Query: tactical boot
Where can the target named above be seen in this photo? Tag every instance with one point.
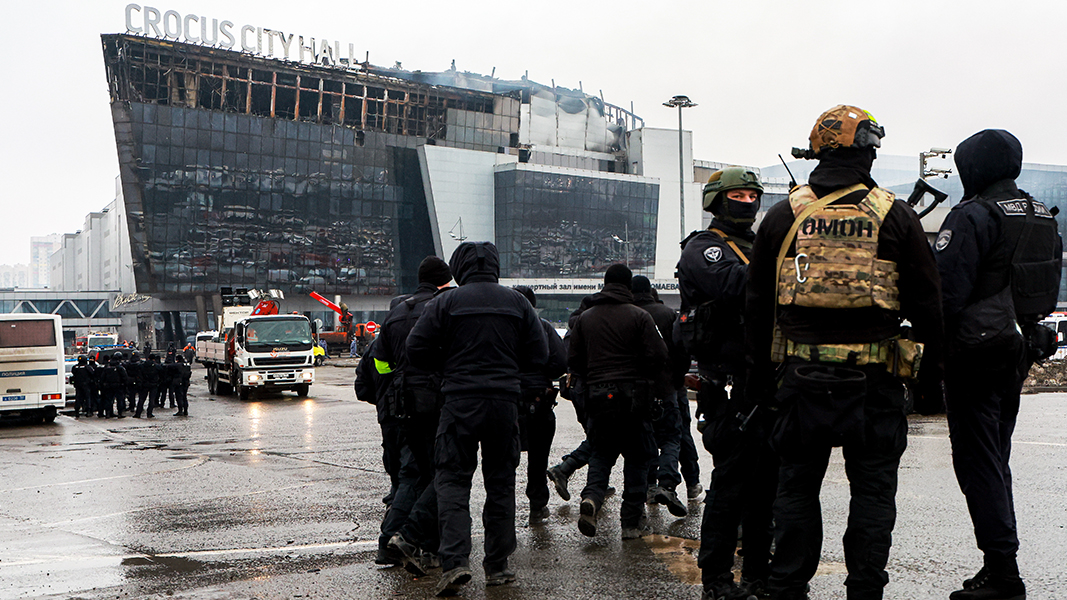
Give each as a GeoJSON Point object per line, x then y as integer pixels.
{"type": "Point", "coordinates": [559, 477]}
{"type": "Point", "coordinates": [410, 554]}
{"type": "Point", "coordinates": [501, 577]}
{"type": "Point", "coordinates": [753, 590]}
{"type": "Point", "coordinates": [539, 515]}
{"type": "Point", "coordinates": [670, 499]}
{"type": "Point", "coordinates": [452, 581]}
{"type": "Point", "coordinates": [722, 589]}
{"type": "Point", "coordinates": [388, 556]}
{"type": "Point", "coordinates": [632, 533]}
{"type": "Point", "coordinates": [991, 586]}
{"type": "Point", "coordinates": [587, 518]}
{"type": "Point", "coordinates": [694, 491]}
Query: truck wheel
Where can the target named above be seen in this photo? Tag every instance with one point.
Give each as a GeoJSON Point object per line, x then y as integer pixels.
{"type": "Point", "coordinates": [244, 392]}
{"type": "Point", "coordinates": [48, 414]}
{"type": "Point", "coordinates": [302, 390]}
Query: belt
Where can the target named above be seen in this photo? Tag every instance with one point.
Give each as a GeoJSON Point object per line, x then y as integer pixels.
{"type": "Point", "coordinates": [854, 354]}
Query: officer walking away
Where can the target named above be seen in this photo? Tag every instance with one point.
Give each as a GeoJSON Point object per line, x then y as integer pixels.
{"type": "Point", "coordinates": [409, 532]}
{"type": "Point", "coordinates": [663, 474]}
{"type": "Point", "coordinates": [166, 372]}
{"type": "Point", "coordinates": [537, 419]}
{"type": "Point", "coordinates": [113, 387]}
{"type": "Point", "coordinates": [371, 386]}
{"type": "Point", "coordinates": [712, 274]}
{"type": "Point", "coordinates": [97, 371]}
{"type": "Point", "coordinates": [834, 271]}
{"type": "Point", "coordinates": [173, 375]}
{"type": "Point", "coordinates": [999, 255]}
{"type": "Point", "coordinates": [81, 376]}
{"type": "Point", "coordinates": [617, 352]}
{"type": "Point", "coordinates": [181, 385]}
{"type": "Point", "coordinates": [480, 336]}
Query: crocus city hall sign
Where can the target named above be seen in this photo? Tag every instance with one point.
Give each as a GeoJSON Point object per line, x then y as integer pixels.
{"type": "Point", "coordinates": [195, 29]}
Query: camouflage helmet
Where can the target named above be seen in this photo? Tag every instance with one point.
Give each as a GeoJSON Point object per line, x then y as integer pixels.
{"type": "Point", "coordinates": [730, 178]}
{"type": "Point", "coordinates": [844, 126]}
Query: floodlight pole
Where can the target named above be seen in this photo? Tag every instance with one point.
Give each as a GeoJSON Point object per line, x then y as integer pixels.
{"type": "Point", "coordinates": [681, 102]}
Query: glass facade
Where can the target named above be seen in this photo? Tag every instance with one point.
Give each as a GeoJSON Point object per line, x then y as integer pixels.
{"type": "Point", "coordinates": [552, 223]}
{"type": "Point", "coordinates": [246, 172]}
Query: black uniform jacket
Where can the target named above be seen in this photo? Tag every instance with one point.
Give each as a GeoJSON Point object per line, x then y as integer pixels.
{"type": "Point", "coordinates": [710, 270]}
{"type": "Point", "coordinates": [392, 340]}
{"type": "Point", "coordinates": [540, 379]}
{"type": "Point", "coordinates": [613, 340]}
{"type": "Point", "coordinates": [665, 316]}
{"type": "Point", "coordinates": [901, 239]}
{"type": "Point", "coordinates": [481, 335]}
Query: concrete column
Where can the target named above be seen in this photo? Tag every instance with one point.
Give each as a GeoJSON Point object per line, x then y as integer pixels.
{"type": "Point", "coordinates": [201, 314]}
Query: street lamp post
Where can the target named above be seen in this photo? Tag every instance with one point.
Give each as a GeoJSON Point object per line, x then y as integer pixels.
{"type": "Point", "coordinates": [681, 102]}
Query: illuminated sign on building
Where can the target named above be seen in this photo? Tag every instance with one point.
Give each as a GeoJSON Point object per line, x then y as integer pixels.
{"type": "Point", "coordinates": [172, 25]}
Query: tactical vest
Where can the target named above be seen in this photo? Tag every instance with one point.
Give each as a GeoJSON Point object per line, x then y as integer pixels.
{"type": "Point", "coordinates": [1027, 258]}
{"type": "Point", "coordinates": [836, 264]}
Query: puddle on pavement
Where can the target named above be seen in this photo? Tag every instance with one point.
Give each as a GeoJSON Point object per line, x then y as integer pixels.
{"type": "Point", "coordinates": [174, 564]}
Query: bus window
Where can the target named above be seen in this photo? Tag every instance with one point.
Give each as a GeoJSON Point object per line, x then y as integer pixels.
{"type": "Point", "coordinates": [27, 334]}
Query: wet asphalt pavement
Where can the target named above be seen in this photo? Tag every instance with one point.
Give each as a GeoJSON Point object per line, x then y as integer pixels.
{"type": "Point", "coordinates": [281, 498]}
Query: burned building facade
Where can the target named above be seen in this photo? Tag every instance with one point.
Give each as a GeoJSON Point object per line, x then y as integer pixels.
{"type": "Point", "coordinates": [244, 171]}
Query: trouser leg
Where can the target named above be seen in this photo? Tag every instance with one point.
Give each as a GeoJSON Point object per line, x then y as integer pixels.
{"type": "Point", "coordinates": [391, 444]}
{"type": "Point", "coordinates": [667, 431]}
{"type": "Point", "coordinates": [406, 494]}
{"type": "Point", "coordinates": [637, 450]}
{"type": "Point", "coordinates": [456, 457]}
{"type": "Point", "coordinates": [798, 520]}
{"type": "Point", "coordinates": [688, 458]}
{"type": "Point", "coordinates": [604, 447]}
{"type": "Point", "coordinates": [872, 474]}
{"type": "Point", "coordinates": [540, 429]}
{"type": "Point", "coordinates": [500, 458]}
{"type": "Point", "coordinates": [723, 504]}
{"type": "Point", "coordinates": [421, 526]}
{"type": "Point", "coordinates": [982, 410]}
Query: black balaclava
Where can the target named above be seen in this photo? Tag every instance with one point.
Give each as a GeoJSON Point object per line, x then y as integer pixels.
{"type": "Point", "coordinates": [842, 167]}
{"type": "Point", "coordinates": [987, 157]}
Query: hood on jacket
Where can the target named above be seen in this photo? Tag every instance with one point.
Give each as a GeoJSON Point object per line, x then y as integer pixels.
{"type": "Point", "coordinates": [987, 157]}
{"type": "Point", "coordinates": [475, 261]}
{"type": "Point", "coordinates": [613, 293]}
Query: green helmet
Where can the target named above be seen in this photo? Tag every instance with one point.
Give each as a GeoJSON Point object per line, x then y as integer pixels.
{"type": "Point", "coordinates": [730, 178]}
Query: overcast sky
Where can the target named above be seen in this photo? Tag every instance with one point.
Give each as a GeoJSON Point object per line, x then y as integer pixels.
{"type": "Point", "coordinates": [761, 71]}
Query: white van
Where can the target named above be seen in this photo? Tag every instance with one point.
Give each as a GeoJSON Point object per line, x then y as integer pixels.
{"type": "Point", "coordinates": [1057, 322]}
{"type": "Point", "coordinates": [31, 365]}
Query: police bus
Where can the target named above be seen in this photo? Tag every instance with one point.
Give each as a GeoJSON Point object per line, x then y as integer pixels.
{"type": "Point", "coordinates": [31, 365]}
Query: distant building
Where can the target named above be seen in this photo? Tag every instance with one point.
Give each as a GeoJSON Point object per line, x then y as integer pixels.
{"type": "Point", "coordinates": [15, 276]}
{"type": "Point", "coordinates": [41, 249]}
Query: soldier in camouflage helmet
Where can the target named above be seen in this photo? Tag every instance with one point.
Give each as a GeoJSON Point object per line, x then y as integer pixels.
{"type": "Point", "coordinates": [834, 272]}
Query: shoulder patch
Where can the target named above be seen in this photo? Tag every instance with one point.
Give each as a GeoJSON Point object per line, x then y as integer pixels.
{"type": "Point", "coordinates": [943, 240]}
{"type": "Point", "coordinates": [713, 253]}
{"type": "Point", "coordinates": [1013, 208]}
{"type": "Point", "coordinates": [1040, 210]}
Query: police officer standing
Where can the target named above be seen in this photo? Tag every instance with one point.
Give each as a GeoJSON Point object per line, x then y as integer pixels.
{"type": "Point", "coordinates": [81, 376]}
{"type": "Point", "coordinates": [181, 385]}
{"type": "Point", "coordinates": [834, 271]}
{"type": "Point", "coordinates": [133, 380]}
{"type": "Point", "coordinates": [113, 387]}
{"type": "Point", "coordinates": [480, 336]}
{"type": "Point", "coordinates": [617, 352]}
{"type": "Point", "coordinates": [150, 376]}
{"type": "Point", "coordinates": [712, 273]}
{"type": "Point", "coordinates": [999, 254]}
{"type": "Point", "coordinates": [537, 419]}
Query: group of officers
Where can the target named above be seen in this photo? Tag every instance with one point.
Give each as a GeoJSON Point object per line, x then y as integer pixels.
{"type": "Point", "coordinates": [117, 385]}
{"type": "Point", "coordinates": [822, 329]}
